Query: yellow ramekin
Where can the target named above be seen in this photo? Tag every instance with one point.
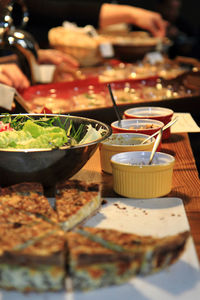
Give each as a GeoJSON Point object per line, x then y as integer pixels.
{"type": "Point", "coordinates": [108, 149]}
{"type": "Point", "coordinates": [134, 178]}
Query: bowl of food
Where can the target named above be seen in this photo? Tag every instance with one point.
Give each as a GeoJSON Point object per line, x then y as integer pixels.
{"type": "Point", "coordinates": [151, 112]}
{"type": "Point", "coordinates": [144, 126]}
{"type": "Point", "coordinates": [46, 148]}
{"type": "Point", "coordinates": [133, 177]}
{"type": "Point", "coordinates": [122, 142]}
{"type": "Point", "coordinates": [132, 46]}
{"type": "Point", "coordinates": [77, 43]}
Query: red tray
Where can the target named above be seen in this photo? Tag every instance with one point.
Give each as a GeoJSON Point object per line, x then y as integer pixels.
{"type": "Point", "coordinates": [65, 97]}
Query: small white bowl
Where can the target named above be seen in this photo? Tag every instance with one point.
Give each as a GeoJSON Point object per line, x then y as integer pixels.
{"type": "Point", "coordinates": [133, 177]}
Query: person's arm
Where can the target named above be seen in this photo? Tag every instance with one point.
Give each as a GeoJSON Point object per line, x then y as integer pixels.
{"type": "Point", "coordinates": [145, 19]}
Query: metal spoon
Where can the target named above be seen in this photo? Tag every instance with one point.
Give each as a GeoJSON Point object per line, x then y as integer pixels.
{"type": "Point", "coordinates": [155, 146]}
{"type": "Point", "coordinates": [164, 127]}
{"type": "Point", "coordinates": [115, 105]}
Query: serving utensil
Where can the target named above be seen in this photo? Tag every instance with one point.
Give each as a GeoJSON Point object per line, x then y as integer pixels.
{"type": "Point", "coordinates": [115, 105]}
{"type": "Point", "coordinates": [164, 127]}
{"type": "Point", "coordinates": [156, 144]}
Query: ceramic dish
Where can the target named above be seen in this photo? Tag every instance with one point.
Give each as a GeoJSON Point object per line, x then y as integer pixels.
{"type": "Point", "coordinates": [133, 177]}
{"type": "Point", "coordinates": [151, 112]}
{"type": "Point", "coordinates": [122, 142]}
{"type": "Point", "coordinates": [144, 126]}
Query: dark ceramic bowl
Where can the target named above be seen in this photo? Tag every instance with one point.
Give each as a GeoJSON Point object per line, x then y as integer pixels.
{"type": "Point", "coordinates": [49, 166]}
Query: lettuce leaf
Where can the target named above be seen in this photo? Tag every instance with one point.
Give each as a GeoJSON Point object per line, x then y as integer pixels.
{"type": "Point", "coordinates": [33, 136]}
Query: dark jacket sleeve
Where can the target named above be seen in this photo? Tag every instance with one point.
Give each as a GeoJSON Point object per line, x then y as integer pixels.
{"type": "Point", "coordinates": [45, 14]}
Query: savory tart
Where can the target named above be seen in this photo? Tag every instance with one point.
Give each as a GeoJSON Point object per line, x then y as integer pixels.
{"type": "Point", "coordinates": [37, 254]}
{"type": "Point", "coordinates": [103, 257]}
{"type": "Point", "coordinates": [16, 217]}
{"type": "Point", "coordinates": [76, 201]}
{"type": "Point", "coordinates": [28, 197]}
{"type": "Point", "coordinates": [32, 258]}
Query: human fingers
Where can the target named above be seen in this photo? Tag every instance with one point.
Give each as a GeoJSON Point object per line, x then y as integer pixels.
{"type": "Point", "coordinates": [158, 27]}
{"type": "Point", "coordinates": [66, 58]}
{"type": "Point", "coordinates": [14, 76]}
{"type": "Point", "coordinates": [148, 20]}
{"type": "Point", "coordinates": [5, 80]}
{"type": "Point", "coordinates": [64, 72]}
{"type": "Point", "coordinates": [56, 57]}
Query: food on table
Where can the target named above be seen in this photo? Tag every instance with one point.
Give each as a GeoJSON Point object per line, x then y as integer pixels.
{"type": "Point", "coordinates": [140, 70]}
{"type": "Point", "coordinates": [126, 95]}
{"type": "Point", "coordinates": [146, 126]}
{"type": "Point", "coordinates": [117, 139]}
{"type": "Point", "coordinates": [77, 43]}
{"type": "Point", "coordinates": [24, 132]}
{"type": "Point", "coordinates": [27, 197]}
{"type": "Point", "coordinates": [103, 257]}
{"type": "Point", "coordinates": [143, 126]}
{"type": "Point", "coordinates": [5, 126]}
{"type": "Point", "coordinates": [10, 214]}
{"type": "Point", "coordinates": [33, 135]}
{"type": "Point", "coordinates": [89, 100]}
{"type": "Point", "coordinates": [90, 94]}
{"type": "Point", "coordinates": [32, 257]}
{"type": "Point", "coordinates": [55, 105]}
{"type": "Point", "coordinates": [37, 254]}
{"type": "Point", "coordinates": [76, 201]}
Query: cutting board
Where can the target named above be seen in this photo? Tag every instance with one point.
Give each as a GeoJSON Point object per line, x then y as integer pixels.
{"type": "Point", "coordinates": [157, 217]}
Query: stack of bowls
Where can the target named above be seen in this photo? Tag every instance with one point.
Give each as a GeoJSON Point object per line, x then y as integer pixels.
{"type": "Point", "coordinates": [133, 176]}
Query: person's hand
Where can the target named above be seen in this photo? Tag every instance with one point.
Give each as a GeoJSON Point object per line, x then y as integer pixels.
{"type": "Point", "coordinates": [149, 20]}
{"type": "Point", "coordinates": [115, 13]}
{"type": "Point", "coordinates": [11, 74]}
{"type": "Point", "coordinates": [56, 57]}
{"type": "Point", "coordinates": [66, 65]}
{"type": "Point", "coordinates": [64, 73]}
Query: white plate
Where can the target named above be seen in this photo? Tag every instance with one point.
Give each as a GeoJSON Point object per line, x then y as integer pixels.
{"type": "Point", "coordinates": [158, 217]}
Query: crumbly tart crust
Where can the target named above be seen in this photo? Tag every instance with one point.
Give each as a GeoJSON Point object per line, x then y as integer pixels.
{"type": "Point", "coordinates": [95, 264]}
{"type": "Point", "coordinates": [38, 252]}
{"type": "Point", "coordinates": [76, 201]}
{"type": "Point", "coordinates": [28, 197]}
{"type": "Point", "coordinates": [32, 257]}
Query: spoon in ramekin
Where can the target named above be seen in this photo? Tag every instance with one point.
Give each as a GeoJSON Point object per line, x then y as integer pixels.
{"type": "Point", "coordinates": [115, 105]}
{"type": "Point", "coordinates": [155, 146]}
{"type": "Point", "coordinates": [164, 127]}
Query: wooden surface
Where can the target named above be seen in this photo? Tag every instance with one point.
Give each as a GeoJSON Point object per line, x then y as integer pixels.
{"type": "Point", "coordinates": [185, 185]}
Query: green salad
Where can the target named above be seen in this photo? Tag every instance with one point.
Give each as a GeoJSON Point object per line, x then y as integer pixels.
{"type": "Point", "coordinates": [25, 132]}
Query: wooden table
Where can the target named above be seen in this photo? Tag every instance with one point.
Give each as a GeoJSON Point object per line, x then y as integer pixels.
{"type": "Point", "coordinates": [186, 183]}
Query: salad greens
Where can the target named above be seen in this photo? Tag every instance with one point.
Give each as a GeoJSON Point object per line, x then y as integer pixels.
{"type": "Point", "coordinates": [25, 132]}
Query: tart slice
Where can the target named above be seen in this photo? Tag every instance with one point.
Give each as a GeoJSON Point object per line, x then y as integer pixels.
{"type": "Point", "coordinates": [28, 197]}
{"type": "Point", "coordinates": [76, 201]}
{"type": "Point", "coordinates": [16, 217]}
{"type": "Point", "coordinates": [32, 258]}
{"type": "Point", "coordinates": [102, 257]}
